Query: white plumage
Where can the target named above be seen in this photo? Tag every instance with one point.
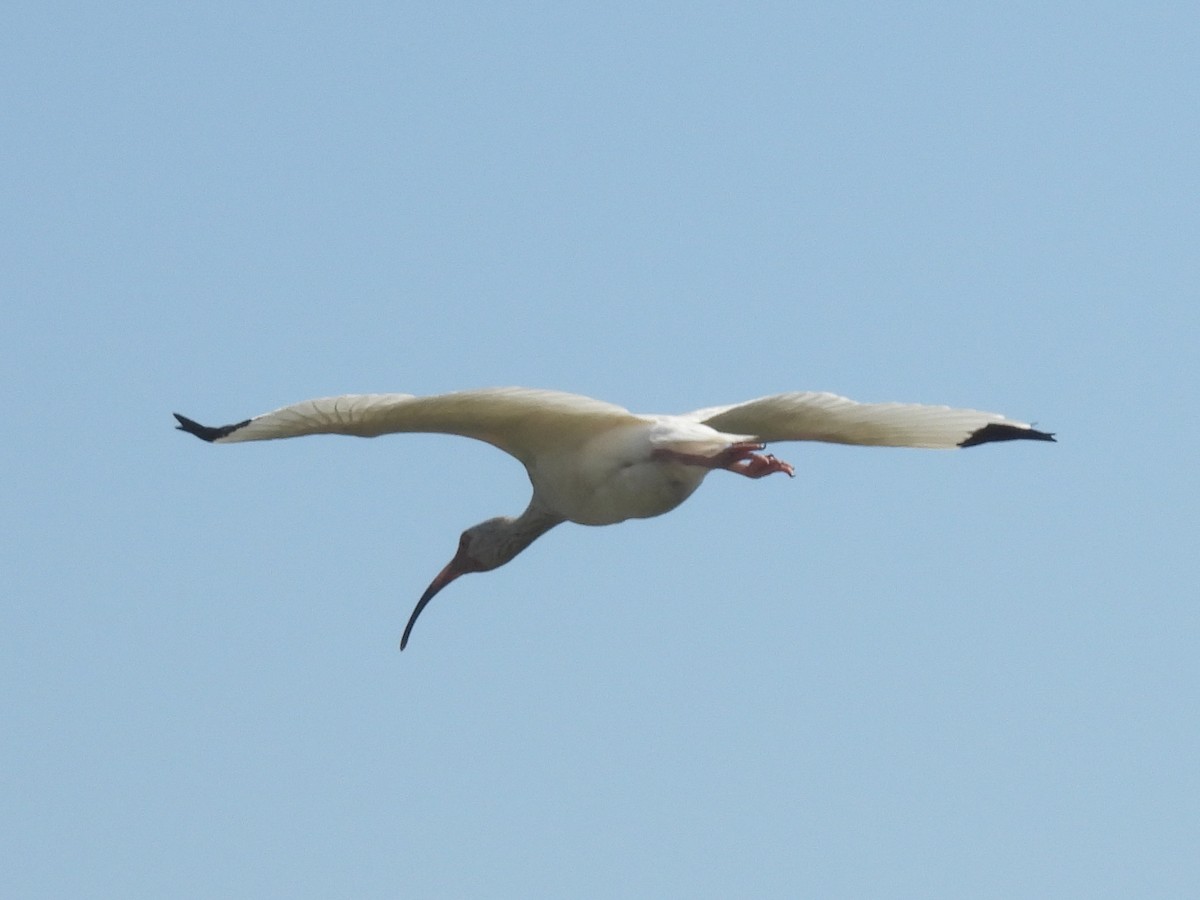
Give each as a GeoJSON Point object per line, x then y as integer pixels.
{"type": "Point", "coordinates": [596, 463]}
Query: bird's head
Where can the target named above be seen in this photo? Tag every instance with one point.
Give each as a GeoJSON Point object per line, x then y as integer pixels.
{"type": "Point", "coordinates": [481, 548]}
{"type": "Point", "coordinates": [486, 546]}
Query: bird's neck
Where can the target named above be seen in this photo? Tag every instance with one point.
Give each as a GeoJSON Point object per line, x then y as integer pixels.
{"type": "Point", "coordinates": [531, 525]}
{"type": "Point", "coordinates": [504, 537]}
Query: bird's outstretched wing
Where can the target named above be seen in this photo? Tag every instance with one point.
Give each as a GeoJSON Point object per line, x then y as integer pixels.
{"type": "Point", "coordinates": [519, 421]}
{"type": "Point", "coordinates": [828, 417]}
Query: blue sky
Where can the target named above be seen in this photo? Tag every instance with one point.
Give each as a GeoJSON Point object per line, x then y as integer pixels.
{"type": "Point", "coordinates": [901, 674]}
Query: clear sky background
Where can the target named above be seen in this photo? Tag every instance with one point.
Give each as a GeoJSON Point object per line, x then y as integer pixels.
{"type": "Point", "coordinates": [902, 674]}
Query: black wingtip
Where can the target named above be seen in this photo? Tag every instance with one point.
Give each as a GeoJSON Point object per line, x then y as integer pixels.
{"type": "Point", "coordinates": [999, 431]}
{"type": "Point", "coordinates": [205, 432]}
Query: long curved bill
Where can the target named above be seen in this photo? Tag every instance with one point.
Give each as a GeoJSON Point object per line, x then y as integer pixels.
{"type": "Point", "coordinates": [447, 575]}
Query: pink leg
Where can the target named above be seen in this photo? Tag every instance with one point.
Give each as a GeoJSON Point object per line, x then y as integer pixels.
{"type": "Point", "coordinates": [742, 458]}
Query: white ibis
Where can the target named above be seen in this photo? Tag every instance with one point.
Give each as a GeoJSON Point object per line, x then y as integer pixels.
{"type": "Point", "coordinates": [595, 463]}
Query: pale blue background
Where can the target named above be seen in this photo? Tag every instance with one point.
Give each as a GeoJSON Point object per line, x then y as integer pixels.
{"type": "Point", "coordinates": [902, 674]}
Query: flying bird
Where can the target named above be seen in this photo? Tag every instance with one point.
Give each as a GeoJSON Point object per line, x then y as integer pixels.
{"type": "Point", "coordinates": [595, 463]}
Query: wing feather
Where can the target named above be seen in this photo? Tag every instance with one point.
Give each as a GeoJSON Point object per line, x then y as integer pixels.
{"type": "Point", "coordinates": [827, 417]}
{"type": "Point", "coordinates": [519, 421]}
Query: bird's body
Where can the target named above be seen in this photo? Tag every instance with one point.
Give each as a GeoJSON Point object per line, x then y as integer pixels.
{"type": "Point", "coordinates": [614, 475]}
{"type": "Point", "coordinates": [594, 463]}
